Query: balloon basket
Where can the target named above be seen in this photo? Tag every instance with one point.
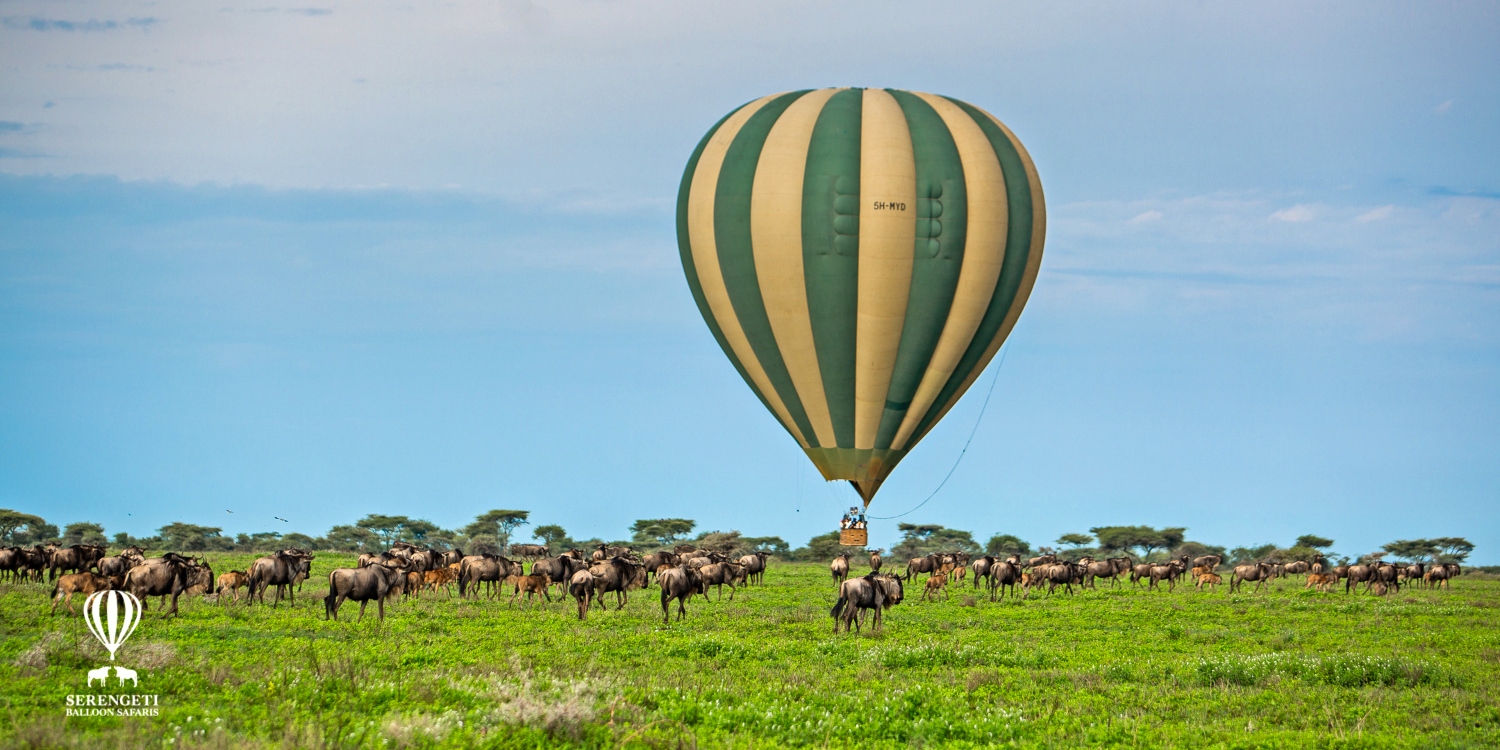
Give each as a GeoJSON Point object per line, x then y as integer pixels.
{"type": "Point", "coordinates": [854, 537]}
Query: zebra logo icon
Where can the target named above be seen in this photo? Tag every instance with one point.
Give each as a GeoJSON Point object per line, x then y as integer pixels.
{"type": "Point", "coordinates": [112, 616]}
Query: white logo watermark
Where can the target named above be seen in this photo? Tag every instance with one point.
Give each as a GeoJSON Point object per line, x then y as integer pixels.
{"type": "Point", "coordinates": [112, 616]}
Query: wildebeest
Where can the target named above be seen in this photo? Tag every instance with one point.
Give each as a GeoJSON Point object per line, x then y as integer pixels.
{"type": "Point", "coordinates": [1439, 574]}
{"type": "Point", "coordinates": [1296, 567]}
{"type": "Point", "coordinates": [163, 576]}
{"type": "Point", "coordinates": [873, 592]}
{"type": "Point", "coordinates": [1359, 574]}
{"type": "Point", "coordinates": [1413, 572]}
{"type": "Point", "coordinates": [1321, 581]}
{"type": "Point", "coordinates": [1064, 573]}
{"type": "Point", "coordinates": [491, 569]}
{"type": "Point", "coordinates": [117, 565]}
{"type": "Point", "coordinates": [560, 569]}
{"type": "Point", "coordinates": [1259, 572]}
{"type": "Point", "coordinates": [876, 561]}
{"type": "Point", "coordinates": [1004, 574]}
{"type": "Point", "coordinates": [935, 583]}
{"type": "Point", "coordinates": [530, 552]}
{"type": "Point", "coordinates": [363, 585]}
{"type": "Point", "coordinates": [656, 560]}
{"type": "Point", "coordinates": [676, 583]}
{"type": "Point", "coordinates": [617, 574]}
{"type": "Point", "coordinates": [839, 568]}
{"type": "Point", "coordinates": [1168, 573]}
{"type": "Point", "coordinates": [719, 574]}
{"type": "Point", "coordinates": [1208, 579]}
{"type": "Point", "coordinates": [232, 582]}
{"type": "Point", "coordinates": [278, 569]}
{"type": "Point", "coordinates": [1109, 569]}
{"type": "Point", "coordinates": [77, 583]}
{"type": "Point", "coordinates": [755, 567]}
{"type": "Point", "coordinates": [929, 565]}
{"type": "Point", "coordinates": [1209, 561]}
{"type": "Point", "coordinates": [1387, 574]}
{"type": "Point", "coordinates": [200, 578]}
{"type": "Point", "coordinates": [581, 586]}
{"type": "Point", "coordinates": [74, 559]}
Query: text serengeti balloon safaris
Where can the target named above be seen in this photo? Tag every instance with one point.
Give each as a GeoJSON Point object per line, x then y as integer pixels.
{"type": "Point", "coordinates": [860, 255]}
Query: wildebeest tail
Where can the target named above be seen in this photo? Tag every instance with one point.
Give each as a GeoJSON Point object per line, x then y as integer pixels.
{"type": "Point", "coordinates": [838, 607]}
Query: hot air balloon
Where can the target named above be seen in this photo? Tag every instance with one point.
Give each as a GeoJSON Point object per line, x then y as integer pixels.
{"type": "Point", "coordinates": [860, 255]}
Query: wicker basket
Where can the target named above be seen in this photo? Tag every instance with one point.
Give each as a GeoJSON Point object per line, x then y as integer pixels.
{"type": "Point", "coordinates": [854, 537]}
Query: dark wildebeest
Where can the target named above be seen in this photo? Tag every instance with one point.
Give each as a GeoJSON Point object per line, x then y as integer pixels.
{"type": "Point", "coordinates": [368, 559]}
{"type": "Point", "coordinates": [1438, 574]}
{"type": "Point", "coordinates": [876, 561]}
{"type": "Point", "coordinates": [617, 574]}
{"type": "Point", "coordinates": [119, 564]}
{"type": "Point", "coordinates": [1109, 569]}
{"type": "Point", "coordinates": [10, 562]}
{"type": "Point", "coordinates": [656, 560]}
{"type": "Point", "coordinates": [1296, 567]}
{"type": "Point", "coordinates": [1259, 572]}
{"type": "Point", "coordinates": [1207, 561]}
{"type": "Point", "coordinates": [422, 560]}
{"type": "Point", "coordinates": [755, 567]}
{"type": "Point", "coordinates": [1413, 572]}
{"type": "Point", "coordinates": [1359, 574]}
{"type": "Point", "coordinates": [164, 576]}
{"type": "Point", "coordinates": [839, 568]}
{"type": "Point", "coordinates": [77, 583]}
{"type": "Point", "coordinates": [873, 592]}
{"type": "Point", "coordinates": [362, 585]}
{"type": "Point", "coordinates": [581, 586]}
{"type": "Point", "coordinates": [929, 565]}
{"type": "Point", "coordinates": [530, 552]}
{"type": "Point", "coordinates": [200, 578]}
{"type": "Point", "coordinates": [74, 559]}
{"type": "Point", "coordinates": [1387, 574]}
{"type": "Point", "coordinates": [718, 574]}
{"type": "Point", "coordinates": [1064, 573]}
{"type": "Point", "coordinates": [676, 583]}
{"type": "Point", "coordinates": [982, 565]}
{"type": "Point", "coordinates": [492, 569]}
{"type": "Point", "coordinates": [1004, 574]}
{"type": "Point", "coordinates": [560, 569]}
{"type": "Point", "coordinates": [1168, 573]}
{"type": "Point", "coordinates": [278, 569]}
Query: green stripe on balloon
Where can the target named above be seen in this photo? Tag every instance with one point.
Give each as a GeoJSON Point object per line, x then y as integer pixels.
{"type": "Point", "coordinates": [1013, 269]}
{"type": "Point", "coordinates": [830, 251]}
{"type": "Point", "coordinates": [737, 253]}
{"type": "Point", "coordinates": [685, 250]}
{"type": "Point", "coordinates": [941, 227]}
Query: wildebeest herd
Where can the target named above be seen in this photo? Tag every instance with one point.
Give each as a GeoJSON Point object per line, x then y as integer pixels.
{"type": "Point", "coordinates": [408, 570]}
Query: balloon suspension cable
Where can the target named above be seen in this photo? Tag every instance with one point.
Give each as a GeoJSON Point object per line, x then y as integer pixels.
{"type": "Point", "coordinates": [961, 453]}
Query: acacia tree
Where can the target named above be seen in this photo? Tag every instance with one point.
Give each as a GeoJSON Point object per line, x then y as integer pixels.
{"type": "Point", "coordinates": [1005, 545]}
{"type": "Point", "coordinates": [663, 532]}
{"type": "Point", "coordinates": [1074, 540]}
{"type": "Point", "coordinates": [12, 521]}
{"type": "Point", "coordinates": [82, 533]}
{"type": "Point", "coordinates": [499, 524]}
{"type": "Point", "coordinates": [1412, 549]}
{"type": "Point", "coordinates": [1313, 541]}
{"type": "Point", "coordinates": [1142, 539]}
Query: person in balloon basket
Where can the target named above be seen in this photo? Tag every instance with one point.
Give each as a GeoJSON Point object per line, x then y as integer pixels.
{"type": "Point", "coordinates": [854, 519]}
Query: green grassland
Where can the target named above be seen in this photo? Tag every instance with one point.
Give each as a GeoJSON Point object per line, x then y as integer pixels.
{"type": "Point", "coordinates": [1113, 667]}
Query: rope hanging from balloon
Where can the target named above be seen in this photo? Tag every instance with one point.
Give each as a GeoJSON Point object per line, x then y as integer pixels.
{"type": "Point", "coordinates": [961, 453]}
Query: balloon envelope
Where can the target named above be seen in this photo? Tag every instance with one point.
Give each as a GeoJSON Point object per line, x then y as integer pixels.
{"type": "Point", "coordinates": [860, 255]}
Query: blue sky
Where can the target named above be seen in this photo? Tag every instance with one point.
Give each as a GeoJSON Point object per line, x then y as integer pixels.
{"type": "Point", "coordinates": [317, 262]}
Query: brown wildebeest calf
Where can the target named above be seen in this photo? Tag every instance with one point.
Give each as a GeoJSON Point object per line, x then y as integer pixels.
{"type": "Point", "coordinates": [232, 581]}
{"type": "Point", "coordinates": [1209, 579]}
{"type": "Point", "coordinates": [532, 584]}
{"type": "Point", "coordinates": [935, 583]}
{"type": "Point", "coordinates": [77, 583]}
{"type": "Point", "coordinates": [1321, 581]}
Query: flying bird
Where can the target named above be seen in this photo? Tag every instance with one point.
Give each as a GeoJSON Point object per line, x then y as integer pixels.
{"type": "Point", "coordinates": [279, 518]}
{"type": "Point", "coordinates": [226, 510]}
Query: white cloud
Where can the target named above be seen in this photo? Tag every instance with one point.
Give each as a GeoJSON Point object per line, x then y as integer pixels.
{"type": "Point", "coordinates": [1384, 212]}
{"type": "Point", "coordinates": [1297, 213]}
{"type": "Point", "coordinates": [1146, 216]}
{"type": "Point", "coordinates": [1443, 108]}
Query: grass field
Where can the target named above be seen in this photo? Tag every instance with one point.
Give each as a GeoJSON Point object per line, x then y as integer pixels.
{"type": "Point", "coordinates": [1122, 667]}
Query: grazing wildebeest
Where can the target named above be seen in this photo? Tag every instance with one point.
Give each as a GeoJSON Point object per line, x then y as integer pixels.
{"type": "Point", "coordinates": [755, 567]}
{"type": "Point", "coordinates": [839, 568]}
{"type": "Point", "coordinates": [200, 578]}
{"type": "Point", "coordinates": [117, 565]}
{"type": "Point", "coordinates": [492, 569]}
{"type": "Point", "coordinates": [1296, 567]}
{"type": "Point", "coordinates": [1413, 572]}
{"type": "Point", "coordinates": [719, 574]}
{"type": "Point", "coordinates": [77, 583]}
{"type": "Point", "coordinates": [560, 569]}
{"type": "Point", "coordinates": [232, 582]}
{"type": "Point", "coordinates": [1168, 573]}
{"type": "Point", "coordinates": [1207, 561]}
{"type": "Point", "coordinates": [656, 560]}
{"type": "Point", "coordinates": [1438, 574]}
{"type": "Point", "coordinates": [676, 583]}
{"type": "Point", "coordinates": [870, 592]}
{"type": "Point", "coordinates": [530, 552]}
{"type": "Point", "coordinates": [581, 586]}
{"type": "Point", "coordinates": [1004, 574]}
{"type": "Point", "coordinates": [1259, 572]}
{"type": "Point", "coordinates": [74, 559]}
{"type": "Point", "coordinates": [163, 576]}
{"type": "Point", "coordinates": [1064, 573]}
{"type": "Point", "coordinates": [1359, 574]}
{"type": "Point", "coordinates": [1387, 574]}
{"type": "Point", "coordinates": [277, 569]}
{"type": "Point", "coordinates": [362, 585]}
{"type": "Point", "coordinates": [876, 561]}
{"type": "Point", "coordinates": [1107, 569]}
{"type": "Point", "coordinates": [617, 574]}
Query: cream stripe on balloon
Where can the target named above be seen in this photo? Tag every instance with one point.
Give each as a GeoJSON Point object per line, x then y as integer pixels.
{"type": "Point", "coordinates": [776, 235]}
{"type": "Point", "coordinates": [887, 238]}
{"type": "Point", "coordinates": [705, 248]}
{"type": "Point", "coordinates": [984, 254]}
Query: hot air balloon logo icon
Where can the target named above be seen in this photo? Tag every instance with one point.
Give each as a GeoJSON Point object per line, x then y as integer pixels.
{"type": "Point", "coordinates": [112, 616]}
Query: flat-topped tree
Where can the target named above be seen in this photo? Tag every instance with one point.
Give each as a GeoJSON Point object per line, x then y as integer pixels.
{"type": "Point", "coordinates": [1314, 541]}
{"type": "Point", "coordinates": [663, 532]}
{"type": "Point", "coordinates": [499, 524]}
